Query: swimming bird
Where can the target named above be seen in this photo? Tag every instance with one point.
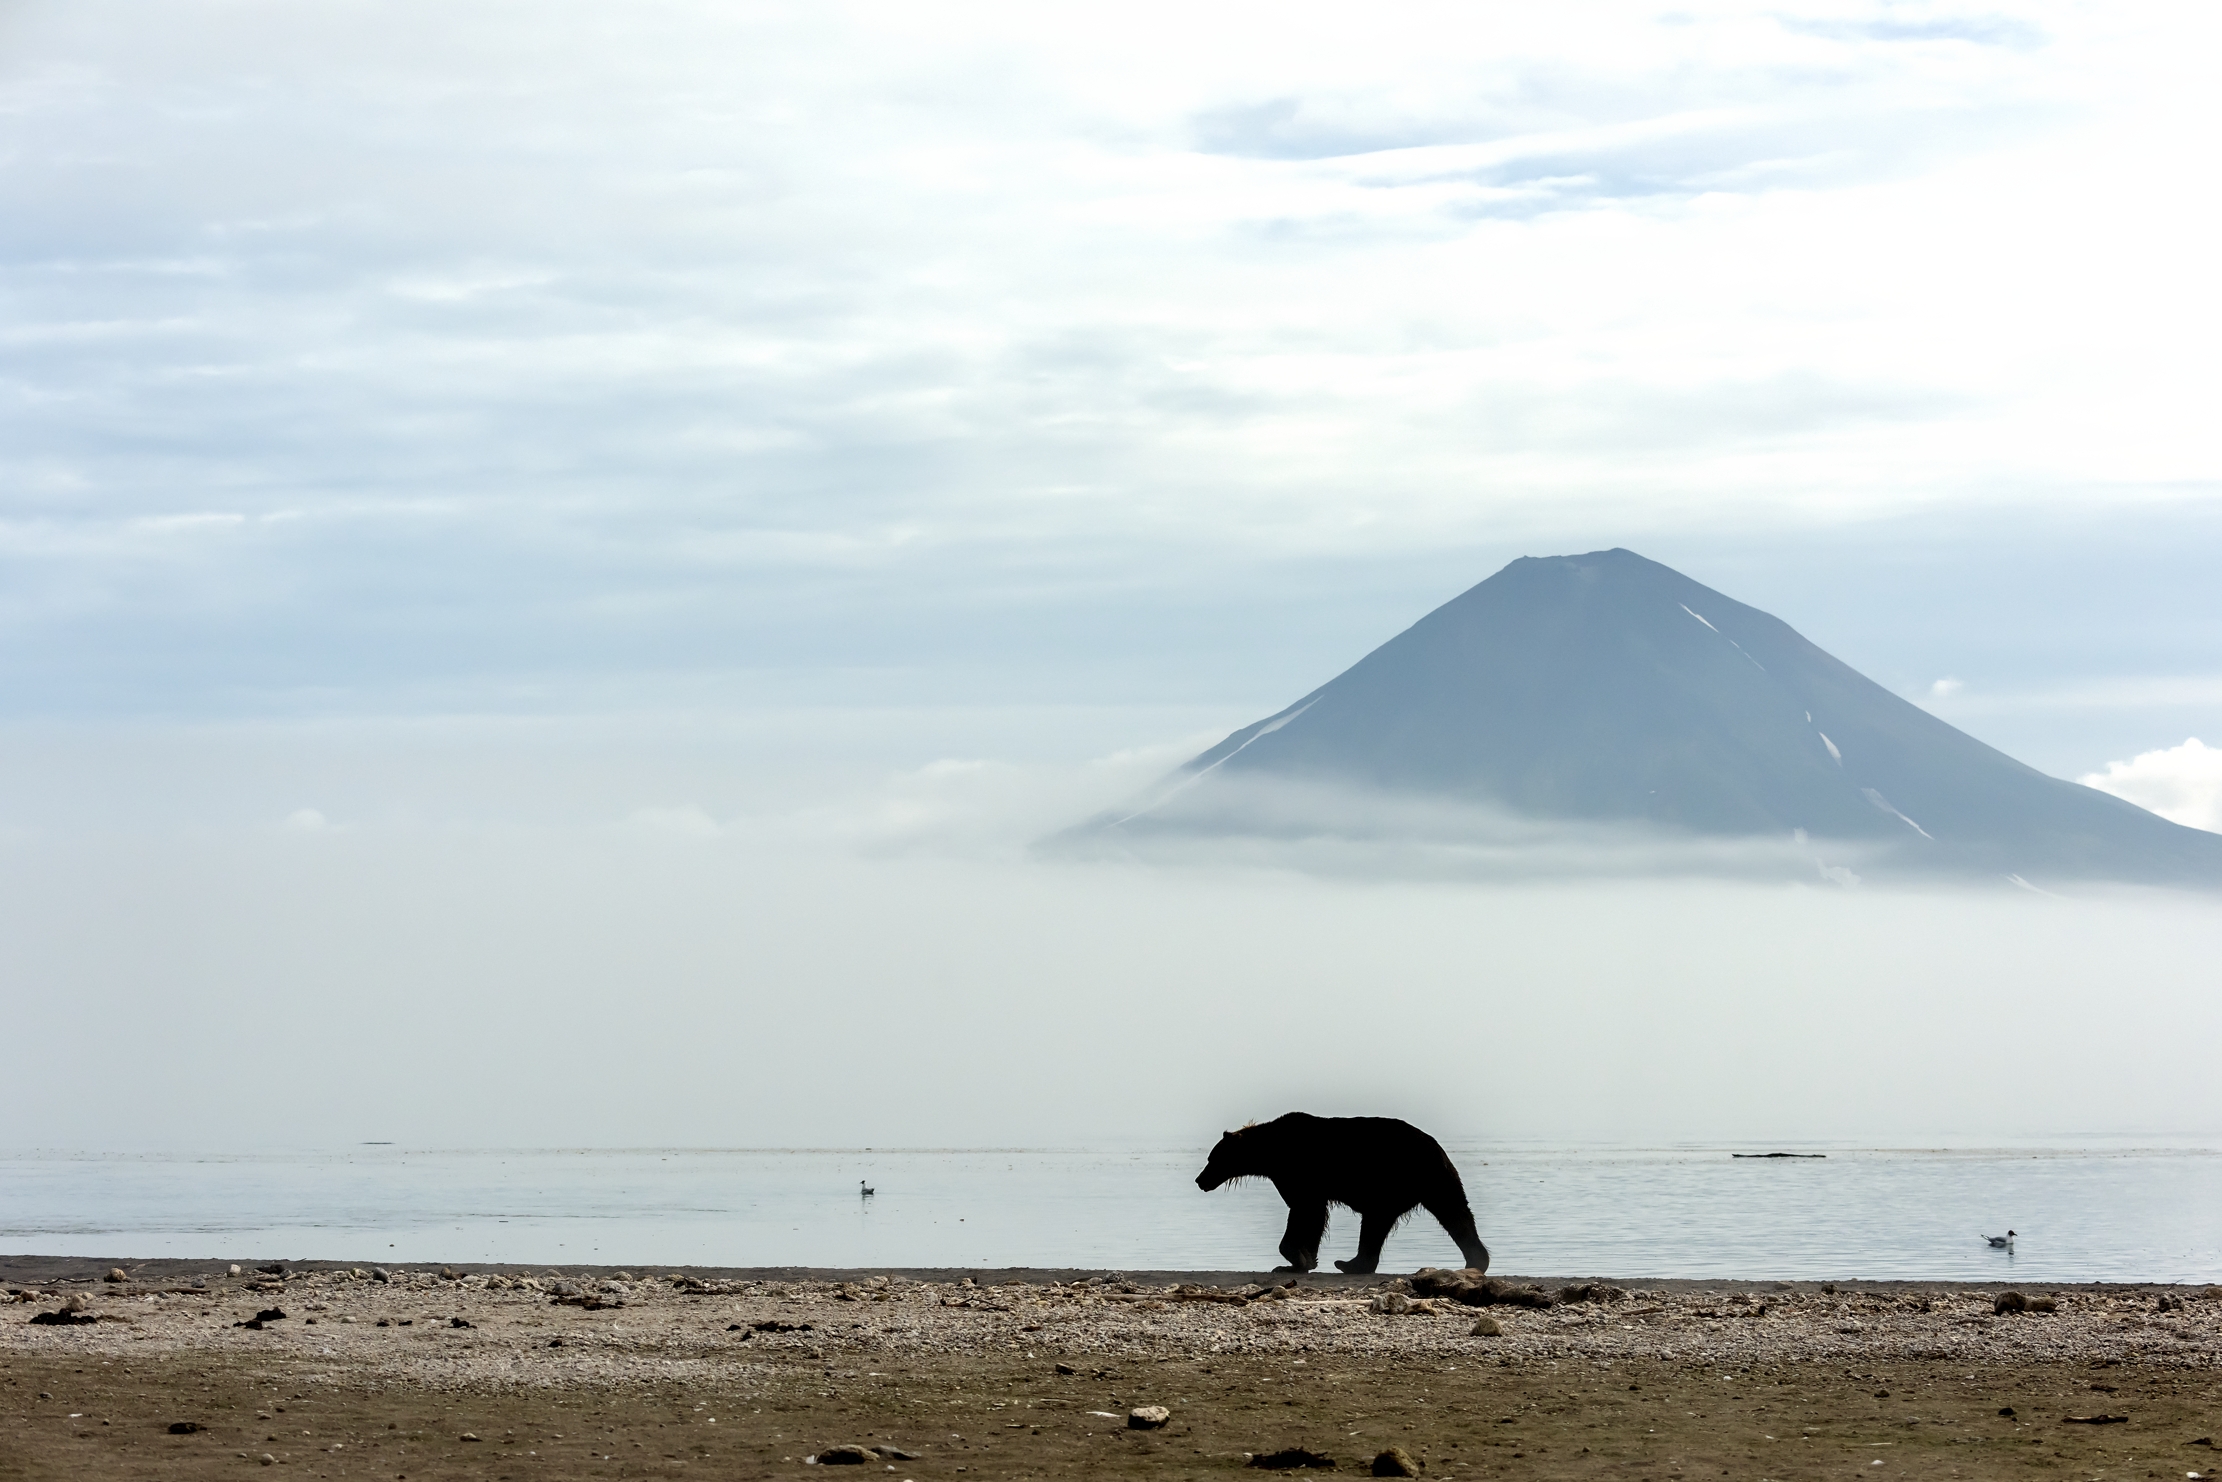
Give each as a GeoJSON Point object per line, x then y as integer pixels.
{"type": "Point", "coordinates": [864, 1190]}
{"type": "Point", "coordinates": [2001, 1242]}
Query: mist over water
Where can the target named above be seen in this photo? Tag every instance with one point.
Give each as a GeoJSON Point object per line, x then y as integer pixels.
{"type": "Point", "coordinates": [484, 943]}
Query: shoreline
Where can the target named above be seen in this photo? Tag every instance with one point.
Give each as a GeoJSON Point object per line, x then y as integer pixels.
{"type": "Point", "coordinates": [359, 1312]}
{"type": "Point", "coordinates": [599, 1372]}
{"type": "Point", "coordinates": [27, 1270]}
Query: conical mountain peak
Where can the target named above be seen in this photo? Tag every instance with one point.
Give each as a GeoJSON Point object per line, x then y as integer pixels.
{"type": "Point", "coordinates": [1607, 689]}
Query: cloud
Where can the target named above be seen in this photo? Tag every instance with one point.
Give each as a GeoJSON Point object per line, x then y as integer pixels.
{"type": "Point", "coordinates": [1973, 29]}
{"type": "Point", "coordinates": [522, 367]}
{"type": "Point", "coordinates": [1945, 689]}
{"type": "Point", "coordinates": [971, 807]}
{"type": "Point", "coordinates": [2135, 691]}
{"type": "Point", "coordinates": [1246, 822]}
{"type": "Point", "coordinates": [685, 822]}
{"type": "Point", "coordinates": [2180, 783]}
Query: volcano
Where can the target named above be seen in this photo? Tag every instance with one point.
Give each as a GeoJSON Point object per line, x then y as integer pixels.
{"type": "Point", "coordinates": [1609, 691]}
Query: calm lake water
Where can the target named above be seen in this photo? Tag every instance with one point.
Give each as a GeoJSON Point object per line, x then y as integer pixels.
{"type": "Point", "coordinates": [2083, 1214]}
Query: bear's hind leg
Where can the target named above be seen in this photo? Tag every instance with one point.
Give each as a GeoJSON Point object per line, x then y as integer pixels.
{"type": "Point", "coordinates": [1373, 1233]}
{"type": "Point", "coordinates": [1300, 1246]}
{"type": "Point", "coordinates": [1457, 1219]}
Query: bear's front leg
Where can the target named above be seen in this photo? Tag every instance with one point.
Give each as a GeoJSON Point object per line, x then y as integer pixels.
{"type": "Point", "coordinates": [1307, 1223]}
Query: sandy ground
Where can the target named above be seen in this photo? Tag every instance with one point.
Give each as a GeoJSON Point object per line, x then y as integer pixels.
{"type": "Point", "coordinates": [506, 1373]}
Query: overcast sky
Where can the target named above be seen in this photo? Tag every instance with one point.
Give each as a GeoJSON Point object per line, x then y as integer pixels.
{"type": "Point", "coordinates": [887, 430]}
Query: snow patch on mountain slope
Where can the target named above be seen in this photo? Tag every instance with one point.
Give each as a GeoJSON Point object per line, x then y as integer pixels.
{"type": "Point", "coordinates": [1883, 803]}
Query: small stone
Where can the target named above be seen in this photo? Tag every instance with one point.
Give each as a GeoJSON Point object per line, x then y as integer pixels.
{"type": "Point", "coordinates": [468, 1436]}
{"type": "Point", "coordinates": [457, 1322]}
{"type": "Point", "coordinates": [116, 1274]}
{"type": "Point", "coordinates": [378, 1273]}
{"type": "Point", "coordinates": [846, 1456]}
{"type": "Point", "coordinates": [268, 1460]}
{"type": "Point", "coordinates": [1147, 1417]}
{"type": "Point", "coordinates": [895, 1453]}
{"type": "Point", "coordinates": [1067, 1369]}
{"type": "Point", "coordinates": [1392, 1304]}
{"type": "Point", "coordinates": [184, 1427]}
{"type": "Point", "coordinates": [1396, 1462]}
{"type": "Point", "coordinates": [1488, 1327]}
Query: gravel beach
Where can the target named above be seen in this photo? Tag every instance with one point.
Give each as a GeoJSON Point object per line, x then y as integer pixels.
{"type": "Point", "coordinates": [474, 1371]}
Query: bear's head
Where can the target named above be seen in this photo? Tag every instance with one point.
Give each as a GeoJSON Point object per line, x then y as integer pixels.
{"type": "Point", "coordinates": [1235, 1156]}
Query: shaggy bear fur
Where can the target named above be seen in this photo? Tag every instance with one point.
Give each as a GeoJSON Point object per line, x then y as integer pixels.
{"type": "Point", "coordinates": [1378, 1166]}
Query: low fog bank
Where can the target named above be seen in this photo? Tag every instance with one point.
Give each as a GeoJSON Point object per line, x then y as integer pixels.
{"type": "Point", "coordinates": [1232, 820]}
{"type": "Point", "coordinates": [873, 958]}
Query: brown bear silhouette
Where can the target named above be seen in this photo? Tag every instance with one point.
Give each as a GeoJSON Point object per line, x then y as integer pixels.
{"type": "Point", "coordinates": [1378, 1166]}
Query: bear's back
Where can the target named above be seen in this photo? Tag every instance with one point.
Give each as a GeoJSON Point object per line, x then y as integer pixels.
{"type": "Point", "coordinates": [1357, 1158]}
